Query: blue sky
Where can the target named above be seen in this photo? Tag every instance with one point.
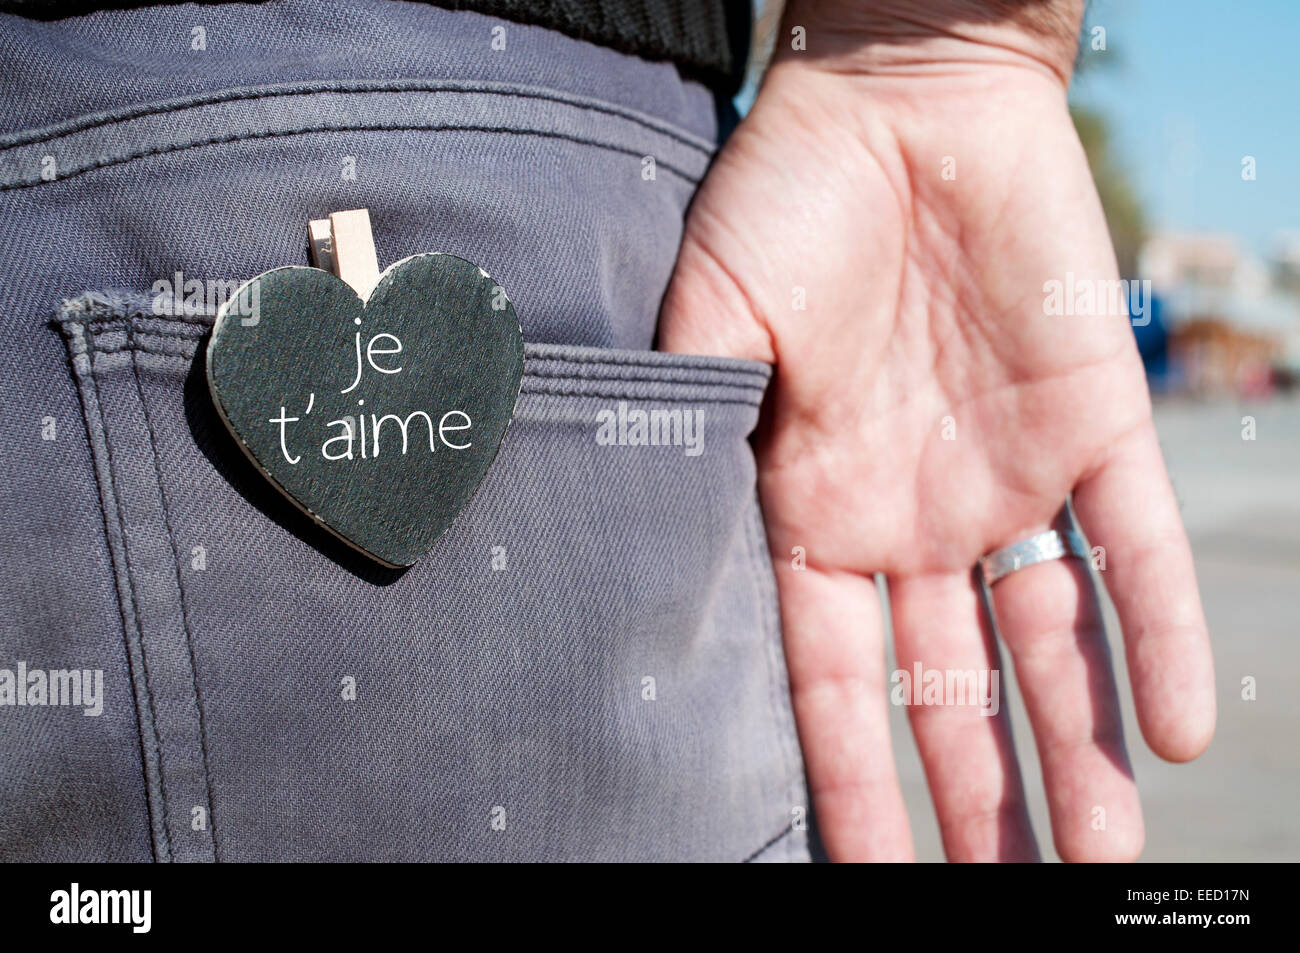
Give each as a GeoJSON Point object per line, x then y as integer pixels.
{"type": "Point", "coordinates": [1192, 86]}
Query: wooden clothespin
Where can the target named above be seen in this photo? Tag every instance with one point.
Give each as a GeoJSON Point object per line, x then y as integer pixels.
{"type": "Point", "coordinates": [344, 246]}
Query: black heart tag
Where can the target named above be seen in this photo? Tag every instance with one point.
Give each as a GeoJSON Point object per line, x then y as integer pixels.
{"type": "Point", "coordinates": [380, 418]}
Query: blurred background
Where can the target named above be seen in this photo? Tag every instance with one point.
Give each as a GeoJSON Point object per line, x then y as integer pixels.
{"type": "Point", "coordinates": [1189, 111]}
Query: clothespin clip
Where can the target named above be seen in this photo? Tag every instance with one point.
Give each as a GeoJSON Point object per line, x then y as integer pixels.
{"type": "Point", "coordinates": [344, 246]}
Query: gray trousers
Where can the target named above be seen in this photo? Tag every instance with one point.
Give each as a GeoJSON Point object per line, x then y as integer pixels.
{"type": "Point", "coordinates": [586, 667]}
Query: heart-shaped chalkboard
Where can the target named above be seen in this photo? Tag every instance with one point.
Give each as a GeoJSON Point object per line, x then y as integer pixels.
{"type": "Point", "coordinates": [380, 418]}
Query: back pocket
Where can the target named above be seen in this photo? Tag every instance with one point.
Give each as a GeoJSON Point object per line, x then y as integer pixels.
{"type": "Point", "coordinates": [586, 666]}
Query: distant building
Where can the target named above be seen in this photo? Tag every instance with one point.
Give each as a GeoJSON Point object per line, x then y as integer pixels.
{"type": "Point", "coordinates": [1190, 260]}
{"type": "Point", "coordinates": [1286, 263]}
{"type": "Point", "coordinates": [1232, 319]}
{"type": "Point", "coordinates": [1214, 358]}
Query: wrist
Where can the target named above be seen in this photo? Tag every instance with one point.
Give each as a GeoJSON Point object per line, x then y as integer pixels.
{"type": "Point", "coordinates": [904, 37]}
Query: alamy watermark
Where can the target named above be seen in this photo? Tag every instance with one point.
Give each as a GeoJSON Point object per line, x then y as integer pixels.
{"type": "Point", "coordinates": [657, 427]}
{"type": "Point", "coordinates": [178, 296]}
{"type": "Point", "coordinates": [948, 687]}
{"type": "Point", "coordinates": [83, 688]}
{"type": "Point", "coordinates": [1091, 297]}
{"type": "Point", "coordinates": [131, 908]}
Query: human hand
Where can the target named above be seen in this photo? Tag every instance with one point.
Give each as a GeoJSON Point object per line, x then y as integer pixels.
{"type": "Point", "coordinates": [923, 300]}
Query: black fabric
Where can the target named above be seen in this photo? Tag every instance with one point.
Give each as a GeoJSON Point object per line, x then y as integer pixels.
{"type": "Point", "coordinates": [707, 40]}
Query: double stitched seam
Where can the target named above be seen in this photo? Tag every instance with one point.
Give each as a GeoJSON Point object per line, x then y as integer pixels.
{"type": "Point", "coordinates": [74, 126]}
{"type": "Point", "coordinates": [319, 129]}
{"type": "Point", "coordinates": [540, 380]}
{"type": "Point", "coordinates": [185, 620]}
{"type": "Point", "coordinates": [761, 558]}
{"type": "Point", "coordinates": [79, 330]}
{"type": "Point", "coordinates": [577, 390]}
{"type": "Point", "coordinates": [533, 381]}
{"type": "Point", "coordinates": [664, 379]}
{"type": "Point", "coordinates": [118, 320]}
{"type": "Point", "coordinates": [160, 349]}
{"type": "Point", "coordinates": [756, 384]}
{"type": "Point", "coordinates": [772, 842]}
{"type": "Point", "coordinates": [135, 605]}
{"type": "Point", "coordinates": [539, 359]}
{"type": "Point", "coordinates": [615, 360]}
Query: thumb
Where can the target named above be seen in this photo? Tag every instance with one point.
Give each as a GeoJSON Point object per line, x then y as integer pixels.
{"type": "Point", "coordinates": [706, 310]}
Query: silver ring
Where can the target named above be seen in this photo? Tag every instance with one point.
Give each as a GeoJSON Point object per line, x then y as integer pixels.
{"type": "Point", "coordinates": [1036, 549]}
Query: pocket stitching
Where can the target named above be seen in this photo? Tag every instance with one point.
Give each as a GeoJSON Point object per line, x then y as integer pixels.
{"type": "Point", "coordinates": [771, 842]}
{"type": "Point", "coordinates": [330, 129]}
{"type": "Point", "coordinates": [84, 347]}
{"type": "Point", "coordinates": [112, 311]}
{"type": "Point", "coordinates": [137, 638]}
{"type": "Point", "coordinates": [124, 320]}
{"type": "Point", "coordinates": [773, 643]}
{"type": "Point", "coordinates": [84, 123]}
{"type": "Point", "coordinates": [180, 587]}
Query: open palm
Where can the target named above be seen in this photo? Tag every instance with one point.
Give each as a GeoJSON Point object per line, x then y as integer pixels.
{"type": "Point", "coordinates": [886, 242]}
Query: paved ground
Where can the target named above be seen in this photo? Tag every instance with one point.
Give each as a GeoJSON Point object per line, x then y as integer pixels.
{"type": "Point", "coordinates": [1241, 505]}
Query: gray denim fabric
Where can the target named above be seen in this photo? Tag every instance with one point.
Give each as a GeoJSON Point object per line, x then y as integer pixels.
{"type": "Point", "coordinates": [502, 707]}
